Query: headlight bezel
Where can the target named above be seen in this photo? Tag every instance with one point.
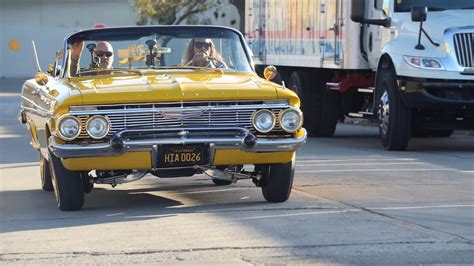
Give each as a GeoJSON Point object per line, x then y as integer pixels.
{"type": "Point", "coordinates": [107, 121]}
{"type": "Point", "coordinates": [258, 112]}
{"type": "Point", "coordinates": [61, 120]}
{"type": "Point", "coordinates": [291, 109]}
{"type": "Point", "coordinates": [420, 65]}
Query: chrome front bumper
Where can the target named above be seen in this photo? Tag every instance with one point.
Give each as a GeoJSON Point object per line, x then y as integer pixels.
{"type": "Point", "coordinates": [240, 138]}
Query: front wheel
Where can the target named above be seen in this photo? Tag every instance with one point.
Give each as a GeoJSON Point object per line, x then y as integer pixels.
{"type": "Point", "coordinates": [45, 173]}
{"type": "Point", "coordinates": [278, 181]}
{"type": "Point", "coordinates": [68, 186]}
{"type": "Point", "coordinates": [394, 116]}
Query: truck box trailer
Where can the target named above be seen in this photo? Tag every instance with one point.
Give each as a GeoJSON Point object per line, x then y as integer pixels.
{"type": "Point", "coordinates": [406, 64]}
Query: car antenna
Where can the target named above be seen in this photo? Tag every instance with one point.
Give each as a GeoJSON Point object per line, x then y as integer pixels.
{"type": "Point", "coordinates": [38, 67]}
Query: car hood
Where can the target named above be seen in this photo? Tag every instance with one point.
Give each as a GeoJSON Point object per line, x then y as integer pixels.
{"type": "Point", "coordinates": [172, 87]}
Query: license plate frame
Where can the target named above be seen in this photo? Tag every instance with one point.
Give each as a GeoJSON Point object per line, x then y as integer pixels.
{"type": "Point", "coordinates": [170, 156]}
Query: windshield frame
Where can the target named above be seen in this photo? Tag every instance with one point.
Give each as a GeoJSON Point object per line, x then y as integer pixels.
{"type": "Point", "coordinates": [92, 34]}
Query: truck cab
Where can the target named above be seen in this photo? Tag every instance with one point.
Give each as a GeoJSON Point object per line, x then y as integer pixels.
{"type": "Point", "coordinates": [422, 53]}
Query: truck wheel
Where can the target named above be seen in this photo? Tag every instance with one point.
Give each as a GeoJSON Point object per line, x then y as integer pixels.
{"type": "Point", "coordinates": [320, 107]}
{"type": "Point", "coordinates": [394, 116]}
{"type": "Point", "coordinates": [46, 182]}
{"type": "Point", "coordinates": [68, 186]}
{"type": "Point", "coordinates": [220, 182]}
{"type": "Point", "coordinates": [278, 181]}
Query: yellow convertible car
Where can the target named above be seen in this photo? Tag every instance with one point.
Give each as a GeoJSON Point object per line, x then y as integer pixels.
{"type": "Point", "coordinates": [171, 101]}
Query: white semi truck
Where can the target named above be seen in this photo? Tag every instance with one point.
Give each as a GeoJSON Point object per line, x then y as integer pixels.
{"type": "Point", "coordinates": [406, 64]}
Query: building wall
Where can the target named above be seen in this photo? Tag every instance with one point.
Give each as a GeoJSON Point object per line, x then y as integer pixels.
{"type": "Point", "coordinates": [48, 22]}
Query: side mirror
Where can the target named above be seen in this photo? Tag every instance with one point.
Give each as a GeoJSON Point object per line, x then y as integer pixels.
{"type": "Point", "coordinates": [357, 11]}
{"type": "Point", "coordinates": [419, 13]}
{"type": "Point", "coordinates": [270, 72]}
{"type": "Point", "coordinates": [41, 78]}
{"type": "Point", "coordinates": [357, 15]}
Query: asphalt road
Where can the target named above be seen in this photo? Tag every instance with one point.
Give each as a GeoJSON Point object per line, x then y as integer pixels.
{"type": "Point", "coordinates": [352, 203]}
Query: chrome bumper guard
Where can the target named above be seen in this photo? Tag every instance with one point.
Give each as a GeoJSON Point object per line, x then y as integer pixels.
{"type": "Point", "coordinates": [217, 138]}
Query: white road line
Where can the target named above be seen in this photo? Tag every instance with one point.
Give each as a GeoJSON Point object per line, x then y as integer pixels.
{"type": "Point", "coordinates": [353, 159]}
{"type": "Point", "coordinates": [379, 170]}
{"type": "Point", "coordinates": [16, 165]}
{"type": "Point", "coordinates": [421, 207]}
{"type": "Point", "coordinates": [341, 164]}
{"type": "Point", "coordinates": [295, 214]}
{"type": "Point", "coordinates": [350, 210]}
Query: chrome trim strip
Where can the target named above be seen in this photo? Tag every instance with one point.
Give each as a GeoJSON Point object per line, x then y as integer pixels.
{"type": "Point", "coordinates": [105, 149]}
{"type": "Point", "coordinates": [165, 109]}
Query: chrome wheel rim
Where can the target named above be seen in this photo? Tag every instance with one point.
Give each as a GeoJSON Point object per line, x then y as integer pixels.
{"type": "Point", "coordinates": [384, 112]}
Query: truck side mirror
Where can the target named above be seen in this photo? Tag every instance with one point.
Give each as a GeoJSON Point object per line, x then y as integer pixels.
{"type": "Point", "coordinates": [357, 11]}
{"type": "Point", "coordinates": [419, 13]}
{"type": "Point", "coordinates": [357, 15]}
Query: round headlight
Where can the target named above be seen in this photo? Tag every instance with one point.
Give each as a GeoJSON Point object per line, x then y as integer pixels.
{"type": "Point", "coordinates": [263, 120]}
{"type": "Point", "coordinates": [97, 127]}
{"type": "Point", "coordinates": [291, 120]}
{"type": "Point", "coordinates": [69, 127]}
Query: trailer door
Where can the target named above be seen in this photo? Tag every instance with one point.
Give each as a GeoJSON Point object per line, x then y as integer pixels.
{"type": "Point", "coordinates": [331, 39]}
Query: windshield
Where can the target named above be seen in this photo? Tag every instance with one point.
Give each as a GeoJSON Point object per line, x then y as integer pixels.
{"type": "Point", "coordinates": [433, 5]}
{"type": "Point", "coordinates": [119, 50]}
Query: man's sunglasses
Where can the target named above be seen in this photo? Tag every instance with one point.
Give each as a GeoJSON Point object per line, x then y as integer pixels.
{"type": "Point", "coordinates": [102, 53]}
{"type": "Point", "coordinates": [199, 45]}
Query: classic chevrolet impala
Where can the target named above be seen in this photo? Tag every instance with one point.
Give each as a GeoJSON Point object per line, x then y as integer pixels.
{"type": "Point", "coordinates": [119, 103]}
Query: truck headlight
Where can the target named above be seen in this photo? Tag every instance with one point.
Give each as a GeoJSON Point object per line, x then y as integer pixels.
{"type": "Point", "coordinates": [291, 120]}
{"type": "Point", "coordinates": [263, 120]}
{"type": "Point", "coordinates": [424, 62]}
{"type": "Point", "coordinates": [69, 127]}
{"type": "Point", "coordinates": [97, 126]}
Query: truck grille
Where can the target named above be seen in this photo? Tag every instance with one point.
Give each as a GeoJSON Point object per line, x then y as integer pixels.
{"type": "Point", "coordinates": [464, 45]}
{"type": "Point", "coordinates": [178, 115]}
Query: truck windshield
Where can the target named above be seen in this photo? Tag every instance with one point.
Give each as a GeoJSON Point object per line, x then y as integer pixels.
{"type": "Point", "coordinates": [433, 5]}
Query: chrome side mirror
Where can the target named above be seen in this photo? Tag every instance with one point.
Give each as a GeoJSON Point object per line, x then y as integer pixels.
{"type": "Point", "coordinates": [270, 72]}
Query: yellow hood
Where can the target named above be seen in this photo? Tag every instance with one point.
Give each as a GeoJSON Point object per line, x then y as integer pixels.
{"type": "Point", "coordinates": [173, 87]}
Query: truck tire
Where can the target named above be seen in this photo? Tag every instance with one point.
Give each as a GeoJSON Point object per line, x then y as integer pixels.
{"type": "Point", "coordinates": [45, 173]}
{"type": "Point", "coordinates": [68, 187]}
{"type": "Point", "coordinates": [278, 181]}
{"type": "Point", "coordinates": [321, 108]}
{"type": "Point", "coordinates": [394, 116]}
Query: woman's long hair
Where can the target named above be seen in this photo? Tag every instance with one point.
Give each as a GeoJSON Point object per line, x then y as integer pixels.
{"type": "Point", "coordinates": [189, 53]}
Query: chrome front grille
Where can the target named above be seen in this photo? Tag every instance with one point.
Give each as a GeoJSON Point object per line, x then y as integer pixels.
{"type": "Point", "coordinates": [179, 115]}
{"type": "Point", "coordinates": [464, 47]}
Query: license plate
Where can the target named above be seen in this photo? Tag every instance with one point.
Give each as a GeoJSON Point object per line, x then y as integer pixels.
{"type": "Point", "coordinates": [182, 155]}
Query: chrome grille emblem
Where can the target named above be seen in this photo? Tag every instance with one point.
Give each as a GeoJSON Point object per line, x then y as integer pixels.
{"type": "Point", "coordinates": [181, 114]}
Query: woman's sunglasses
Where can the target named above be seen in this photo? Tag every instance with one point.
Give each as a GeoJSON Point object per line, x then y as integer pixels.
{"type": "Point", "coordinates": [102, 53]}
{"type": "Point", "coordinates": [199, 45]}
